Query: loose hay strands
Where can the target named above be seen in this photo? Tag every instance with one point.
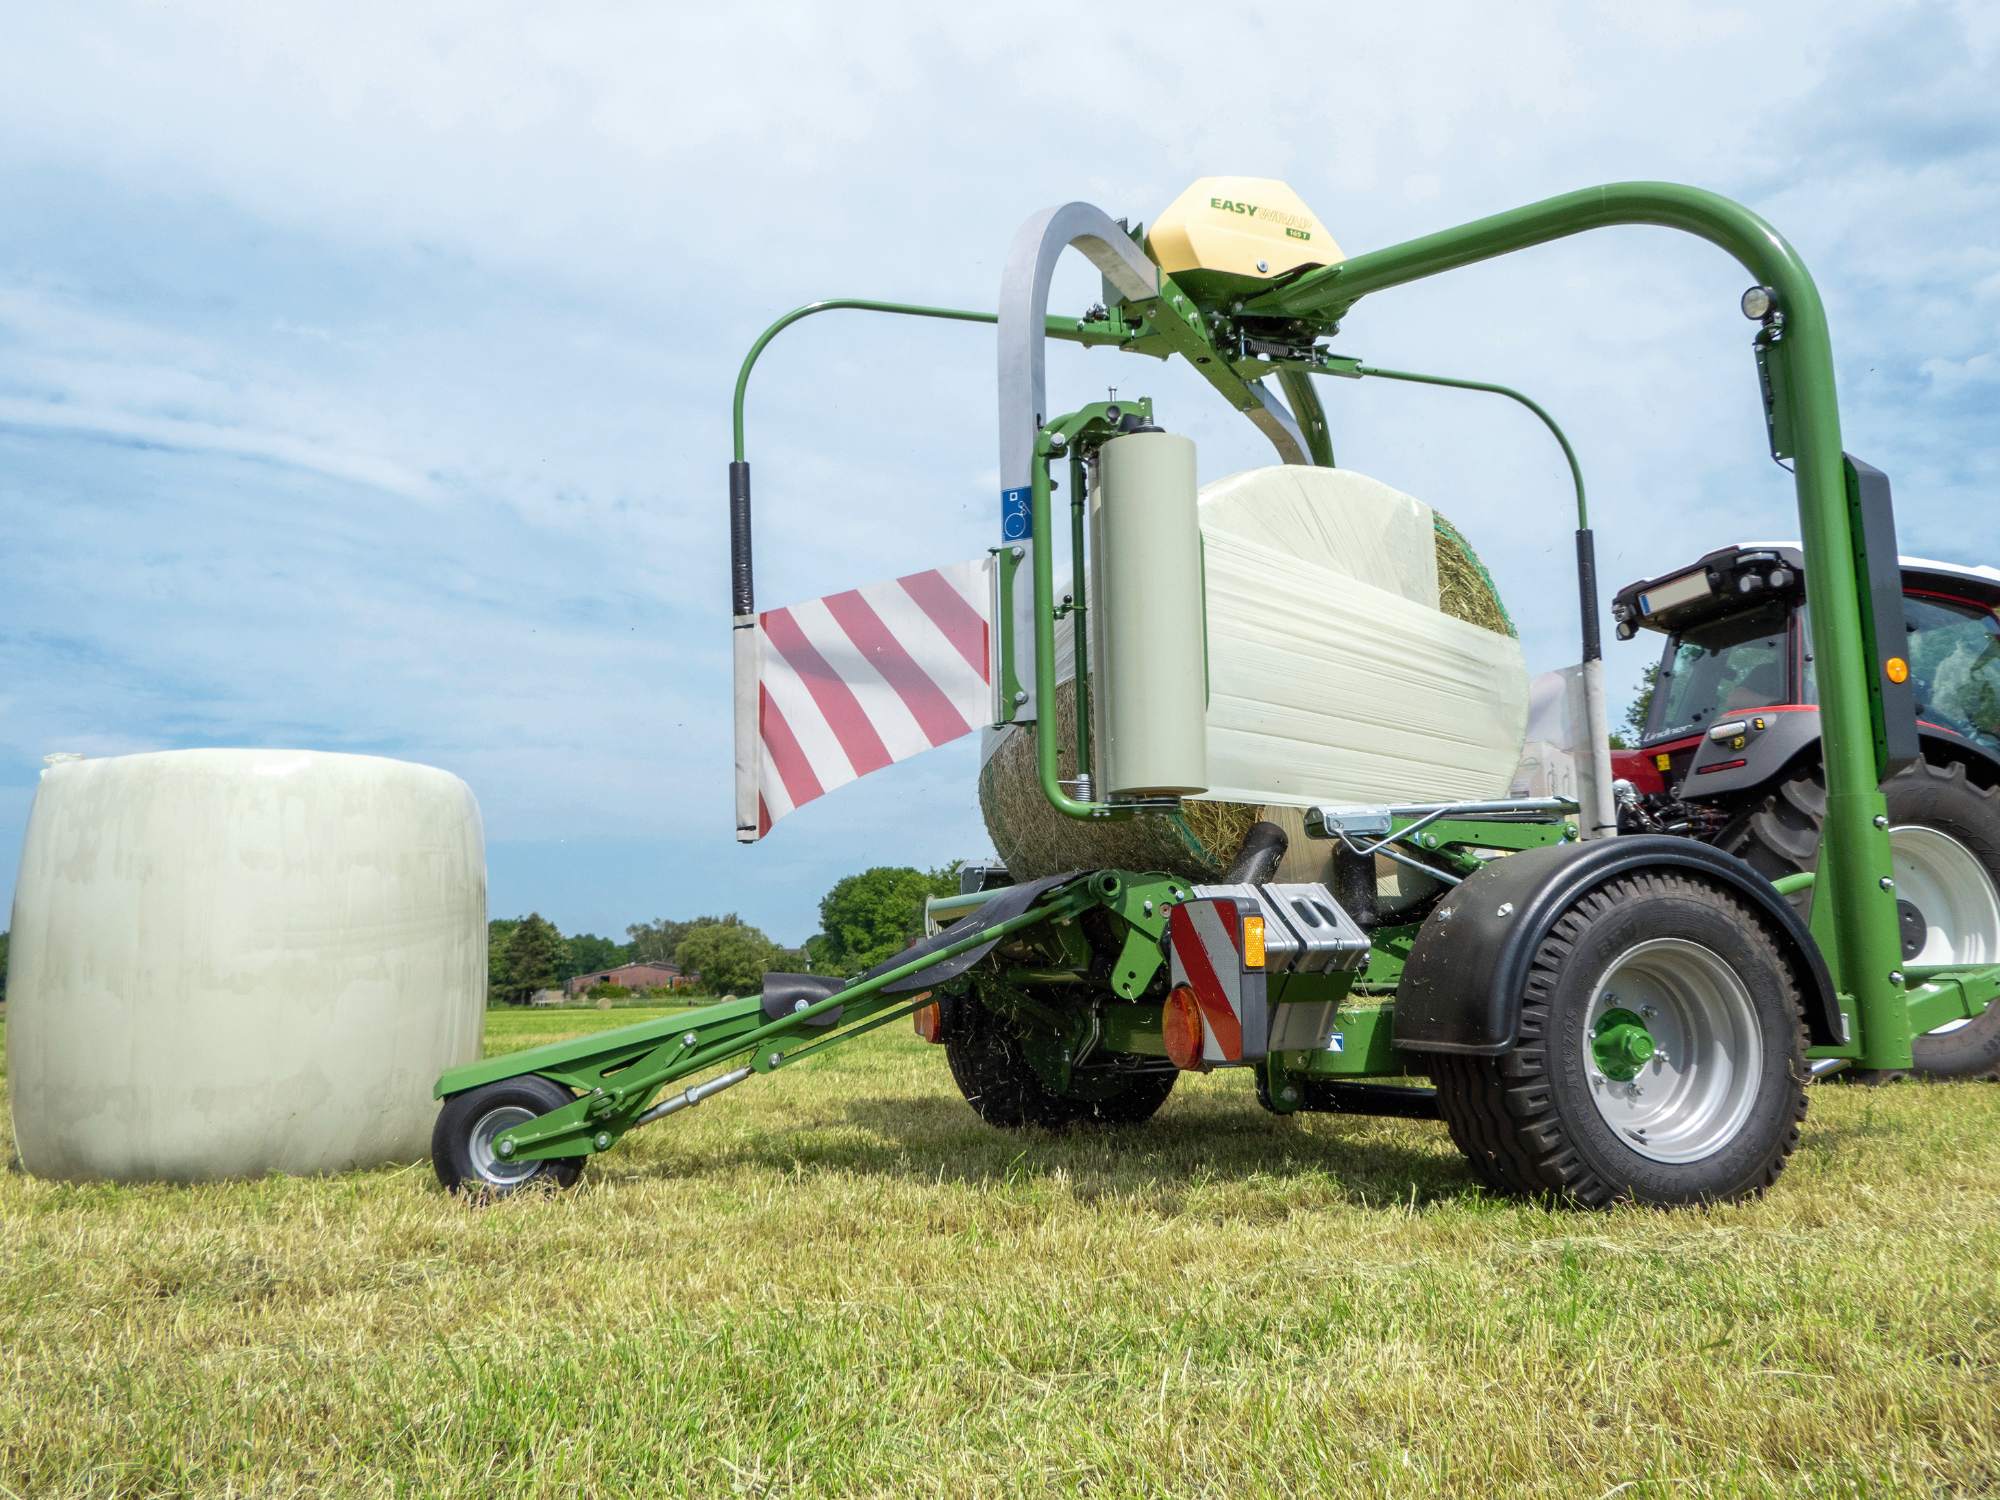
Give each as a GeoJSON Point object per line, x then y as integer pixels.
{"type": "Point", "coordinates": [1466, 591]}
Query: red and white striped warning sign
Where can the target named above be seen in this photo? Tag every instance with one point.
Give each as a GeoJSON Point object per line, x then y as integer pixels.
{"type": "Point", "coordinates": [855, 681]}
{"type": "Point", "coordinates": [1205, 939]}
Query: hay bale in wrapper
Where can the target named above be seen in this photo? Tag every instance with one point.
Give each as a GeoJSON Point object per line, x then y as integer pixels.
{"type": "Point", "coordinates": [1034, 840]}
{"type": "Point", "coordinates": [1338, 610]}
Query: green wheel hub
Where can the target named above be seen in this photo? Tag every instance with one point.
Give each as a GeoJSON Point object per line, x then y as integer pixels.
{"type": "Point", "coordinates": [1621, 1044]}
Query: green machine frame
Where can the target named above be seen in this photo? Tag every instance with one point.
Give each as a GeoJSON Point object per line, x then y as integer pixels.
{"type": "Point", "coordinates": [1237, 341]}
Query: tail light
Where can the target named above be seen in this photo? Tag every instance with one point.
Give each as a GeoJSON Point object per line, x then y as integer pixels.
{"type": "Point", "coordinates": [1180, 1022]}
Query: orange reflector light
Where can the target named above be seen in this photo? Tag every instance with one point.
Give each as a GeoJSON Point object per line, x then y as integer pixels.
{"type": "Point", "coordinates": [1897, 668]}
{"type": "Point", "coordinates": [929, 1021]}
{"type": "Point", "coordinates": [1180, 1021]}
{"type": "Point", "coordinates": [1253, 942]}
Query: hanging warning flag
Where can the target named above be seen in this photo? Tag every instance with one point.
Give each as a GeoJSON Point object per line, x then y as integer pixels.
{"type": "Point", "coordinates": [851, 682]}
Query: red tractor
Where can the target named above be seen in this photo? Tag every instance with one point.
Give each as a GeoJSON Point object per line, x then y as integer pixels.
{"type": "Point", "coordinates": [1730, 751]}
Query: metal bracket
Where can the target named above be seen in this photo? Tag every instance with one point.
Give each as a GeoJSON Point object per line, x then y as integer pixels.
{"type": "Point", "coordinates": [1360, 822]}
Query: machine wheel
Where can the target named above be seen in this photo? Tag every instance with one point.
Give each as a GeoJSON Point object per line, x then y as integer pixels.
{"type": "Point", "coordinates": [1944, 834]}
{"type": "Point", "coordinates": [1660, 1057]}
{"type": "Point", "coordinates": [462, 1141]}
{"type": "Point", "coordinates": [989, 1062]}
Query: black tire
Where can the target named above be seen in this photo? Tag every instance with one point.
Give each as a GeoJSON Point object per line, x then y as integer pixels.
{"type": "Point", "coordinates": [989, 1063]}
{"type": "Point", "coordinates": [1779, 835]}
{"type": "Point", "coordinates": [454, 1152]}
{"type": "Point", "coordinates": [1527, 1120]}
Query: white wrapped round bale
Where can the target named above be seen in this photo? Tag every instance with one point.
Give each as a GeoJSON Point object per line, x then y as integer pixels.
{"type": "Point", "coordinates": [232, 962]}
{"type": "Point", "coordinates": [1358, 652]}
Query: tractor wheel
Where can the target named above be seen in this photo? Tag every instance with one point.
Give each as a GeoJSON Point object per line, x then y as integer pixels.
{"type": "Point", "coordinates": [462, 1151]}
{"type": "Point", "coordinates": [989, 1062]}
{"type": "Point", "coordinates": [1944, 837]}
{"type": "Point", "coordinates": [1660, 1056]}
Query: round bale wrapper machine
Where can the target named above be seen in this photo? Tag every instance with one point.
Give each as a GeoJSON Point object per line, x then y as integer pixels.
{"type": "Point", "coordinates": [1599, 1017]}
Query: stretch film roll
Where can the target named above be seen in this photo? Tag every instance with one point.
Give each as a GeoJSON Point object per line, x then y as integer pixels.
{"type": "Point", "coordinates": [1146, 640]}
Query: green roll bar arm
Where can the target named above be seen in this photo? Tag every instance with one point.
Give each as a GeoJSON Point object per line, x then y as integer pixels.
{"type": "Point", "coordinates": [1455, 382]}
{"type": "Point", "coordinates": [1072, 330]}
{"type": "Point", "coordinates": [1602, 816]}
{"type": "Point", "coordinates": [1855, 858]}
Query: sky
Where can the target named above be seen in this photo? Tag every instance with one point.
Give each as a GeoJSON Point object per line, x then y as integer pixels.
{"type": "Point", "coordinates": [365, 368]}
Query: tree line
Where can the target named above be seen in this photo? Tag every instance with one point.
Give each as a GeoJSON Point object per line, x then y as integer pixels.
{"type": "Point", "coordinates": [864, 918]}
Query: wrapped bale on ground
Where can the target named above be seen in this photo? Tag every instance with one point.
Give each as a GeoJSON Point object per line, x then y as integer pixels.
{"type": "Point", "coordinates": [1357, 652]}
{"type": "Point", "coordinates": [233, 962]}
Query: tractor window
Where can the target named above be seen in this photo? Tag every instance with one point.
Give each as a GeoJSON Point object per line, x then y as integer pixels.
{"type": "Point", "coordinates": [1955, 667]}
{"type": "Point", "coordinates": [1714, 669]}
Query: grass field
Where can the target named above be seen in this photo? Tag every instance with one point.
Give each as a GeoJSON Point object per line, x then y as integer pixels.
{"type": "Point", "coordinates": [840, 1282]}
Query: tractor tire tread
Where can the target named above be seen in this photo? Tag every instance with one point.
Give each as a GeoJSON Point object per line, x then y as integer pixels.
{"type": "Point", "coordinates": [1778, 834]}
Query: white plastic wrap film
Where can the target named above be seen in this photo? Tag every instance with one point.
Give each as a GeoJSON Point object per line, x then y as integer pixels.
{"type": "Point", "coordinates": [1333, 674]}
{"type": "Point", "coordinates": [1326, 688]}
{"type": "Point", "coordinates": [1334, 518]}
{"type": "Point", "coordinates": [1559, 724]}
{"type": "Point", "coordinates": [230, 962]}
{"type": "Point", "coordinates": [1555, 709]}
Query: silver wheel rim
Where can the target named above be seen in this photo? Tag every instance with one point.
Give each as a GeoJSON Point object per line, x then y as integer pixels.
{"type": "Point", "coordinates": [488, 1163]}
{"type": "Point", "coordinates": [1690, 1099]}
{"type": "Point", "coordinates": [1945, 881]}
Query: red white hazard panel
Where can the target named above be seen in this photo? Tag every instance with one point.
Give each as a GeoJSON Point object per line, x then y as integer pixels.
{"type": "Point", "coordinates": [1213, 955]}
{"type": "Point", "coordinates": [840, 686]}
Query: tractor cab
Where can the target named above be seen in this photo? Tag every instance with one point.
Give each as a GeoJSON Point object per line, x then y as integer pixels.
{"type": "Point", "coordinates": [1734, 701]}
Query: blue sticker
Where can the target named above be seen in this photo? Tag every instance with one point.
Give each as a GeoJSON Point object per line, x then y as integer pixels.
{"type": "Point", "coordinates": [1014, 516]}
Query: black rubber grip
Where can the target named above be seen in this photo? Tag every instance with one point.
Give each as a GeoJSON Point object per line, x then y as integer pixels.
{"type": "Point", "coordinates": [741, 597]}
{"type": "Point", "coordinates": [1586, 588]}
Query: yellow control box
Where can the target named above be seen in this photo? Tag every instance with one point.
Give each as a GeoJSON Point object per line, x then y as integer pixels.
{"type": "Point", "coordinates": [1241, 226]}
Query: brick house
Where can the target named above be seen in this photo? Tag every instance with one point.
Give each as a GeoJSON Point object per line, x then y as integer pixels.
{"type": "Point", "coordinates": [639, 976]}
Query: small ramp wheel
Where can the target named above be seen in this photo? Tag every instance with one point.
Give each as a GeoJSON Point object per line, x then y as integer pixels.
{"type": "Point", "coordinates": [463, 1149]}
{"type": "Point", "coordinates": [1660, 1057]}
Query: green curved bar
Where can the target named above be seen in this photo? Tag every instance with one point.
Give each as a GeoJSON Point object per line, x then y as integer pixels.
{"type": "Point", "coordinates": [1074, 330]}
{"type": "Point", "coordinates": [1562, 438]}
{"type": "Point", "coordinates": [1860, 914]}
{"type": "Point", "coordinates": [1045, 648]}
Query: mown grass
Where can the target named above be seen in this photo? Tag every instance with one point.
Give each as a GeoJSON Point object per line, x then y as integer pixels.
{"type": "Point", "coordinates": [840, 1282]}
